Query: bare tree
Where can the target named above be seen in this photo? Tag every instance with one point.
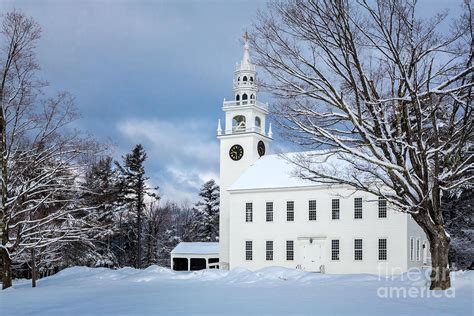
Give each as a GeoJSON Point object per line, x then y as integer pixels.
{"type": "Point", "coordinates": [378, 87]}
{"type": "Point", "coordinates": [158, 221]}
{"type": "Point", "coordinates": [40, 158]}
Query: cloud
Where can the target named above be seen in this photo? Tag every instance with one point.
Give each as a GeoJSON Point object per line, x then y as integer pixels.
{"type": "Point", "coordinates": [182, 155]}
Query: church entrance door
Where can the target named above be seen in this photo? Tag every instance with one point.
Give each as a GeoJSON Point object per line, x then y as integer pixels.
{"type": "Point", "coordinates": [312, 253]}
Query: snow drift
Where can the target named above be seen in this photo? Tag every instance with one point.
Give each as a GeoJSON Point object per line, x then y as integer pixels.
{"type": "Point", "coordinates": [270, 291]}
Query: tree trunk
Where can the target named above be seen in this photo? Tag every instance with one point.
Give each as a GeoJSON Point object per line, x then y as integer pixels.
{"type": "Point", "coordinates": [439, 247]}
{"type": "Point", "coordinates": [139, 222]}
{"type": "Point", "coordinates": [33, 268]}
{"type": "Point", "coordinates": [7, 262]}
{"type": "Point", "coordinates": [139, 241]}
{"type": "Point", "coordinates": [7, 270]}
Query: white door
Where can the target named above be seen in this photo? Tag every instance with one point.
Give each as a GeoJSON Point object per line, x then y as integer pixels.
{"type": "Point", "coordinates": [425, 253]}
{"type": "Point", "coordinates": [312, 256]}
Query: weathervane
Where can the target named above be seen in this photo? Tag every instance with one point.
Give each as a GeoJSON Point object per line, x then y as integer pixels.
{"type": "Point", "coordinates": [246, 37]}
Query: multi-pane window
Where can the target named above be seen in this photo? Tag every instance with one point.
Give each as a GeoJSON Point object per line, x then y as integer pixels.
{"type": "Point", "coordinates": [248, 212]}
{"type": "Point", "coordinates": [312, 210]}
{"type": "Point", "coordinates": [357, 249]}
{"type": "Point", "coordinates": [269, 212]}
{"type": "Point", "coordinates": [412, 249]}
{"type": "Point", "coordinates": [335, 209]}
{"type": "Point", "coordinates": [418, 250]}
{"type": "Point", "coordinates": [269, 249]}
{"type": "Point", "coordinates": [248, 250]}
{"type": "Point", "coordinates": [290, 250]}
{"type": "Point", "coordinates": [358, 208]}
{"type": "Point", "coordinates": [382, 249]}
{"type": "Point", "coordinates": [335, 249]}
{"type": "Point", "coordinates": [290, 211]}
{"type": "Point", "coordinates": [382, 207]}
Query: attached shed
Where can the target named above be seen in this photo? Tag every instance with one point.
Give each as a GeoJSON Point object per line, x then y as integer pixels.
{"type": "Point", "coordinates": [191, 256]}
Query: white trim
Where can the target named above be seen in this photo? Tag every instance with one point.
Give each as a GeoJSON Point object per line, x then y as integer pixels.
{"type": "Point", "coordinates": [185, 255]}
{"type": "Point", "coordinates": [361, 208]}
{"type": "Point", "coordinates": [315, 210]}
{"type": "Point", "coordinates": [354, 249]}
{"type": "Point", "coordinates": [386, 249]}
{"type": "Point", "coordinates": [320, 237]}
{"type": "Point", "coordinates": [245, 212]}
{"type": "Point", "coordinates": [294, 188]}
{"type": "Point", "coordinates": [273, 250]}
{"type": "Point", "coordinates": [418, 249]}
{"type": "Point", "coordinates": [386, 210]}
{"type": "Point", "coordinates": [338, 210]}
{"type": "Point", "coordinates": [273, 211]}
{"type": "Point", "coordinates": [245, 250]}
{"type": "Point", "coordinates": [412, 249]}
{"type": "Point", "coordinates": [286, 211]}
{"type": "Point", "coordinates": [286, 251]}
{"type": "Point", "coordinates": [330, 249]}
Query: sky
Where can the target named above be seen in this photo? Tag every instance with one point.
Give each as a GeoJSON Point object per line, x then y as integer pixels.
{"type": "Point", "coordinates": [151, 72]}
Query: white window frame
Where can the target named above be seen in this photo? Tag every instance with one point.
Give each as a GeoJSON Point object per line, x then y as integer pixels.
{"type": "Point", "coordinates": [335, 210]}
{"type": "Point", "coordinates": [248, 213]}
{"type": "Point", "coordinates": [424, 245]}
{"type": "Point", "coordinates": [334, 251]}
{"type": "Point", "coordinates": [418, 249]}
{"type": "Point", "coordinates": [361, 249]}
{"type": "Point", "coordinates": [380, 250]}
{"type": "Point", "coordinates": [248, 252]}
{"type": "Point", "coordinates": [358, 211]}
{"type": "Point", "coordinates": [312, 211]}
{"type": "Point", "coordinates": [382, 207]}
{"type": "Point", "coordinates": [288, 212]}
{"type": "Point", "coordinates": [269, 250]}
{"type": "Point", "coordinates": [269, 214]}
{"type": "Point", "coordinates": [290, 253]}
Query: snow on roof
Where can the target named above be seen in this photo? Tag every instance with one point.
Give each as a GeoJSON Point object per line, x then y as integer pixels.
{"type": "Point", "coordinates": [197, 248]}
{"type": "Point", "coordinates": [276, 171]}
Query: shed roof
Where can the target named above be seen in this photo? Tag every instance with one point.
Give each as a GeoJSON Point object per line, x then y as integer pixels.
{"type": "Point", "coordinates": [197, 248]}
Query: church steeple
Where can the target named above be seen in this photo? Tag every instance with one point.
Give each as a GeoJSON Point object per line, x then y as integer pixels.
{"type": "Point", "coordinates": [245, 77]}
{"type": "Point", "coordinates": [243, 138]}
{"type": "Point", "coordinates": [246, 58]}
{"type": "Point", "coordinates": [245, 114]}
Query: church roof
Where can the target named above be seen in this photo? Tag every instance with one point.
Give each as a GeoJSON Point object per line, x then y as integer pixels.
{"type": "Point", "coordinates": [276, 171]}
{"type": "Point", "coordinates": [196, 248]}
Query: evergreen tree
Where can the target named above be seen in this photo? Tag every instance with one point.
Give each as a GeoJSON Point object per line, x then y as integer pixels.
{"type": "Point", "coordinates": [205, 226]}
{"type": "Point", "coordinates": [459, 218]}
{"type": "Point", "coordinates": [102, 193]}
{"type": "Point", "coordinates": [133, 192]}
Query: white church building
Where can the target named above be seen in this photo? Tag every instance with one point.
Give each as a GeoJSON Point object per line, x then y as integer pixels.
{"type": "Point", "coordinates": [268, 217]}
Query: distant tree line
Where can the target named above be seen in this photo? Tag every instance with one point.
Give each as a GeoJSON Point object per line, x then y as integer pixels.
{"type": "Point", "coordinates": [63, 201]}
{"type": "Point", "coordinates": [139, 230]}
{"type": "Point", "coordinates": [126, 223]}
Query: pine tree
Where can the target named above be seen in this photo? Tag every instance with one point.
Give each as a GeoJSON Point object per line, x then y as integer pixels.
{"type": "Point", "coordinates": [205, 225]}
{"type": "Point", "coordinates": [102, 194]}
{"type": "Point", "coordinates": [133, 191]}
{"type": "Point", "coordinates": [459, 219]}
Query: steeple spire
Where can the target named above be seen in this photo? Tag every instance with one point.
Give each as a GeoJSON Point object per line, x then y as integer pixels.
{"type": "Point", "coordinates": [246, 58]}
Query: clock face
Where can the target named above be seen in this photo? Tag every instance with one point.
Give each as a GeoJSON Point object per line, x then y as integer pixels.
{"type": "Point", "coordinates": [236, 152]}
{"type": "Point", "coordinates": [261, 148]}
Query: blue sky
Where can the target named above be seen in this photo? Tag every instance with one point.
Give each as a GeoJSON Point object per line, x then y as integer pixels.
{"type": "Point", "coordinates": [151, 72]}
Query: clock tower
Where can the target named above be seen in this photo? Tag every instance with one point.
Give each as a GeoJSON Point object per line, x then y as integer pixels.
{"type": "Point", "coordinates": [243, 140]}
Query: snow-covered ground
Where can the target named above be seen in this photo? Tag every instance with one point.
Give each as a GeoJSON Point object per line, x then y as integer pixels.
{"type": "Point", "coordinates": [270, 291]}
